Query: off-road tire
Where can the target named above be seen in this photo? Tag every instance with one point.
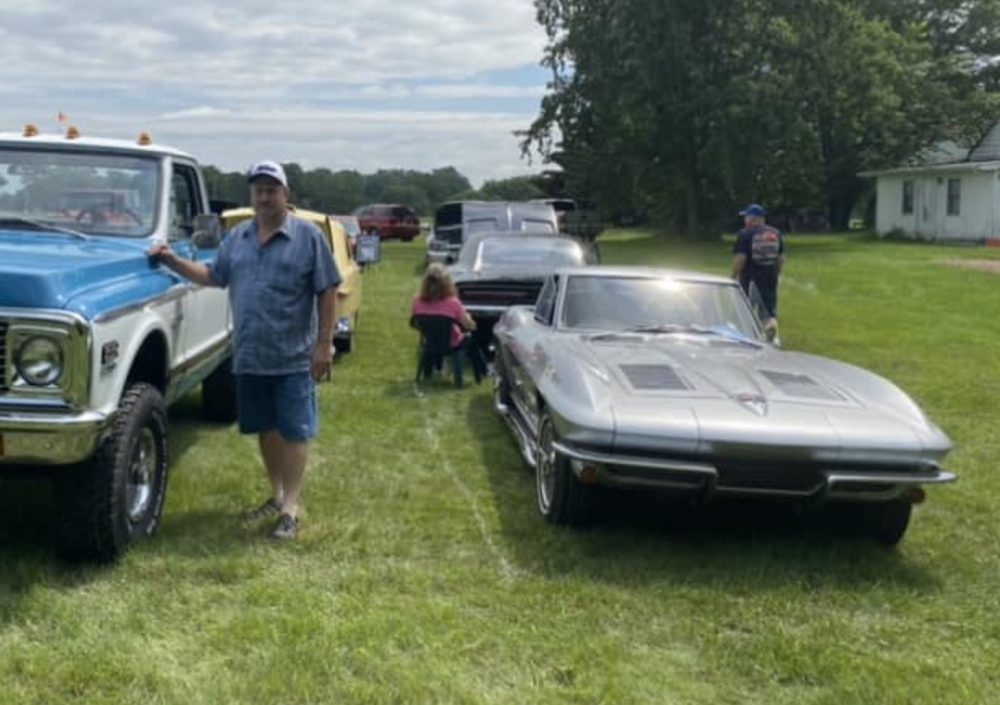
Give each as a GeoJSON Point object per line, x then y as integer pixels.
{"type": "Point", "coordinates": [92, 521]}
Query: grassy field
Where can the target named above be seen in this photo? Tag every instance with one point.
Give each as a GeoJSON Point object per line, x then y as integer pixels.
{"type": "Point", "coordinates": [424, 575]}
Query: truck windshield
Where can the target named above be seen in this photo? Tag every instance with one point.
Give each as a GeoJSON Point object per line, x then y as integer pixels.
{"type": "Point", "coordinates": [88, 192]}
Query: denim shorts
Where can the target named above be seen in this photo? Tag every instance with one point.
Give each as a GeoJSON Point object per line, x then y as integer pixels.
{"type": "Point", "coordinates": [283, 403]}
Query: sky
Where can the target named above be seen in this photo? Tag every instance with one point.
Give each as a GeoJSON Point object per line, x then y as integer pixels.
{"type": "Point", "coordinates": [366, 84]}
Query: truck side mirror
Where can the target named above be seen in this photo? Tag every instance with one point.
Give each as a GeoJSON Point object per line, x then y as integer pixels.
{"type": "Point", "coordinates": [207, 231]}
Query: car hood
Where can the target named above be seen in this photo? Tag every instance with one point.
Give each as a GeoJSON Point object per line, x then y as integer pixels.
{"type": "Point", "coordinates": [711, 392]}
{"type": "Point", "coordinates": [47, 270]}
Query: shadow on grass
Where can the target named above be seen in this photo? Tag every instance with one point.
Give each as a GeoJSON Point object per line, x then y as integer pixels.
{"type": "Point", "coordinates": [643, 538]}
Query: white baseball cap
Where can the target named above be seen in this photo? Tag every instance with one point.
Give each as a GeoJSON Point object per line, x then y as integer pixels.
{"type": "Point", "coordinates": [272, 170]}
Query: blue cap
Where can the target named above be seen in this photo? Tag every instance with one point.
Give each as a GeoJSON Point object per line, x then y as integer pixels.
{"type": "Point", "coordinates": [754, 209]}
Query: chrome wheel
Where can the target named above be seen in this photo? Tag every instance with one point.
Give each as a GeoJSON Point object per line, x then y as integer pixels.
{"type": "Point", "coordinates": [141, 476]}
{"type": "Point", "coordinates": [545, 468]}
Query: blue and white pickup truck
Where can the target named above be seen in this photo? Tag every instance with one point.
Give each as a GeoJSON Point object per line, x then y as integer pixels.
{"type": "Point", "coordinates": [95, 339]}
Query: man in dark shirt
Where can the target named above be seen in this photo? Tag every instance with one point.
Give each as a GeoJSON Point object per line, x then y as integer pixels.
{"type": "Point", "coordinates": [758, 257]}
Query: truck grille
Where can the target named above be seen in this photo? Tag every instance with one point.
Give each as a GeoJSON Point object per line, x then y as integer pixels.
{"type": "Point", "coordinates": [3, 356]}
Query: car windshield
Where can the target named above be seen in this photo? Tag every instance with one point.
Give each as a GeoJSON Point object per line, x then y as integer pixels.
{"type": "Point", "coordinates": [521, 252]}
{"type": "Point", "coordinates": [656, 305]}
{"type": "Point", "coordinates": [86, 192]}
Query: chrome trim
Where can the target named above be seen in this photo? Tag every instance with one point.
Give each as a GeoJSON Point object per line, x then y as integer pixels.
{"type": "Point", "coordinates": [176, 291]}
{"type": "Point", "coordinates": [486, 308]}
{"type": "Point", "coordinates": [49, 439]}
{"type": "Point", "coordinates": [633, 462]}
{"type": "Point", "coordinates": [932, 476]}
{"type": "Point", "coordinates": [74, 386]}
{"type": "Point", "coordinates": [524, 437]}
{"type": "Point", "coordinates": [874, 486]}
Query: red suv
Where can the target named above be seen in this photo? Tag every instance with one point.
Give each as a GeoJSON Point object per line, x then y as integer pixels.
{"type": "Point", "coordinates": [389, 220]}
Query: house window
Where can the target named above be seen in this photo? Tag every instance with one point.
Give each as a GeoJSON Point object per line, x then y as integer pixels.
{"type": "Point", "coordinates": [907, 197]}
{"type": "Point", "coordinates": [954, 196]}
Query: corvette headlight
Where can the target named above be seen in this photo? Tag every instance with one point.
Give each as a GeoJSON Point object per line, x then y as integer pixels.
{"type": "Point", "coordinates": [40, 361]}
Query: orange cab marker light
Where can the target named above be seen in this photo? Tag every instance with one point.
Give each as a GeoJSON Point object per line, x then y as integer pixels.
{"type": "Point", "coordinates": [30, 131]}
{"type": "Point", "coordinates": [72, 133]}
{"type": "Point", "coordinates": [144, 139]}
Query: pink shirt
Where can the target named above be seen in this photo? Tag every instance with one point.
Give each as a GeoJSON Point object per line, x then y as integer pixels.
{"type": "Point", "coordinates": [450, 307]}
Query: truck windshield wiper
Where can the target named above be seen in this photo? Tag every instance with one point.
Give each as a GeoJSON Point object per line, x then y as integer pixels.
{"type": "Point", "coordinates": [41, 226]}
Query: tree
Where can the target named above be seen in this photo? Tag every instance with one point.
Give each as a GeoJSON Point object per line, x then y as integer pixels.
{"type": "Point", "coordinates": [518, 188]}
{"type": "Point", "coordinates": [686, 108]}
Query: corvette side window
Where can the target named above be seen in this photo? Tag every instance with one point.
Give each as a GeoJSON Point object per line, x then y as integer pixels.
{"type": "Point", "coordinates": [546, 305]}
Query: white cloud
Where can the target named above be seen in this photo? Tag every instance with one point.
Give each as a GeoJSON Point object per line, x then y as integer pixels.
{"type": "Point", "coordinates": [369, 84]}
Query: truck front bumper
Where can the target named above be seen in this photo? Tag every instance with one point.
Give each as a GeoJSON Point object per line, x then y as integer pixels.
{"type": "Point", "coordinates": [33, 438]}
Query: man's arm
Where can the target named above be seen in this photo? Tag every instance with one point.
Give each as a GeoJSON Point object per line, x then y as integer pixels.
{"type": "Point", "coordinates": [739, 262]}
{"type": "Point", "coordinates": [195, 271]}
{"type": "Point", "coordinates": [322, 355]}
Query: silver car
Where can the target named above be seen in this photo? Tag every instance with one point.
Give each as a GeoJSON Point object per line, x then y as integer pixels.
{"type": "Point", "coordinates": [658, 379]}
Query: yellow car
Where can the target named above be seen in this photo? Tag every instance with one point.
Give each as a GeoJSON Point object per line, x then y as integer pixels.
{"type": "Point", "coordinates": [349, 290]}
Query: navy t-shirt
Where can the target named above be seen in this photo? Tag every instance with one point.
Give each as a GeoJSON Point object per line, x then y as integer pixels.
{"type": "Point", "coordinates": [763, 246]}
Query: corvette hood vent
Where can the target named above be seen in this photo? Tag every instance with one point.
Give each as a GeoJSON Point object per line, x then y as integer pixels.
{"type": "Point", "coordinates": [654, 377]}
{"type": "Point", "coordinates": [799, 385]}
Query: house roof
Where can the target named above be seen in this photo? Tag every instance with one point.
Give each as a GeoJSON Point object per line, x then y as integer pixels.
{"type": "Point", "coordinates": [988, 148]}
{"type": "Point", "coordinates": [948, 155]}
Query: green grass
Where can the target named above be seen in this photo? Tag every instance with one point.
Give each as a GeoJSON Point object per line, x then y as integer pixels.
{"type": "Point", "coordinates": [424, 575]}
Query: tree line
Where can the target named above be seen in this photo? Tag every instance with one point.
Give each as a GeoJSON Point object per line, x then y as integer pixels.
{"type": "Point", "coordinates": [344, 191]}
{"type": "Point", "coordinates": [685, 109]}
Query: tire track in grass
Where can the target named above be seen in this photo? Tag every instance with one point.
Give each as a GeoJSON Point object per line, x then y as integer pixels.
{"type": "Point", "coordinates": [508, 571]}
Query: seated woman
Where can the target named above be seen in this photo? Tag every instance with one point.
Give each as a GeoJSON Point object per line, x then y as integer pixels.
{"type": "Point", "coordinates": [437, 297]}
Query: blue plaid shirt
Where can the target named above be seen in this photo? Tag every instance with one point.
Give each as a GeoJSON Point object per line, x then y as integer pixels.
{"type": "Point", "coordinates": [273, 290]}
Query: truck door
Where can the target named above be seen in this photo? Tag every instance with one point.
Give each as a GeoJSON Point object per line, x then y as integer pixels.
{"type": "Point", "coordinates": [206, 322]}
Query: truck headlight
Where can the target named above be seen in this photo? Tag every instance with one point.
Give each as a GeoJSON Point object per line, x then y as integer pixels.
{"type": "Point", "coordinates": [40, 361]}
{"type": "Point", "coordinates": [437, 245]}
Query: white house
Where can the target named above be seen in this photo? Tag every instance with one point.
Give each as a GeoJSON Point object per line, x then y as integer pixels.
{"type": "Point", "coordinates": [946, 193]}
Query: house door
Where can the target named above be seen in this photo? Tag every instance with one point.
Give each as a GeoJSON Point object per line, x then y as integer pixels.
{"type": "Point", "coordinates": [928, 211]}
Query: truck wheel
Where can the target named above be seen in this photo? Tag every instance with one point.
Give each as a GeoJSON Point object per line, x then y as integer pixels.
{"type": "Point", "coordinates": [116, 498]}
{"type": "Point", "coordinates": [218, 394]}
{"type": "Point", "coordinates": [562, 499]}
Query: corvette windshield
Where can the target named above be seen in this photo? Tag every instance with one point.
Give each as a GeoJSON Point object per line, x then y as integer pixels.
{"type": "Point", "coordinates": [83, 192]}
{"type": "Point", "coordinates": [656, 305]}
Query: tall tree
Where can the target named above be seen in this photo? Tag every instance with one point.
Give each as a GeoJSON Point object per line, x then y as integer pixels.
{"type": "Point", "coordinates": [687, 107]}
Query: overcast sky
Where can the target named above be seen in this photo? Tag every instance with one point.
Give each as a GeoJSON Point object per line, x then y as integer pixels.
{"type": "Point", "coordinates": [360, 85]}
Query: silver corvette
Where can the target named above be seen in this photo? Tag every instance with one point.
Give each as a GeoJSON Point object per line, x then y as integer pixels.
{"type": "Point", "coordinates": [658, 379]}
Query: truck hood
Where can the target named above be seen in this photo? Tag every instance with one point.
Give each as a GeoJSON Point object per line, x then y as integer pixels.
{"type": "Point", "coordinates": [50, 269]}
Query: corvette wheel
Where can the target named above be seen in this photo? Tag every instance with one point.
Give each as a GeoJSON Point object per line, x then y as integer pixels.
{"type": "Point", "coordinates": [562, 499]}
{"type": "Point", "coordinates": [886, 522]}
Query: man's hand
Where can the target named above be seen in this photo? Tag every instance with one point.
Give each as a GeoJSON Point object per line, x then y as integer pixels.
{"type": "Point", "coordinates": [321, 360]}
{"type": "Point", "coordinates": [160, 251]}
